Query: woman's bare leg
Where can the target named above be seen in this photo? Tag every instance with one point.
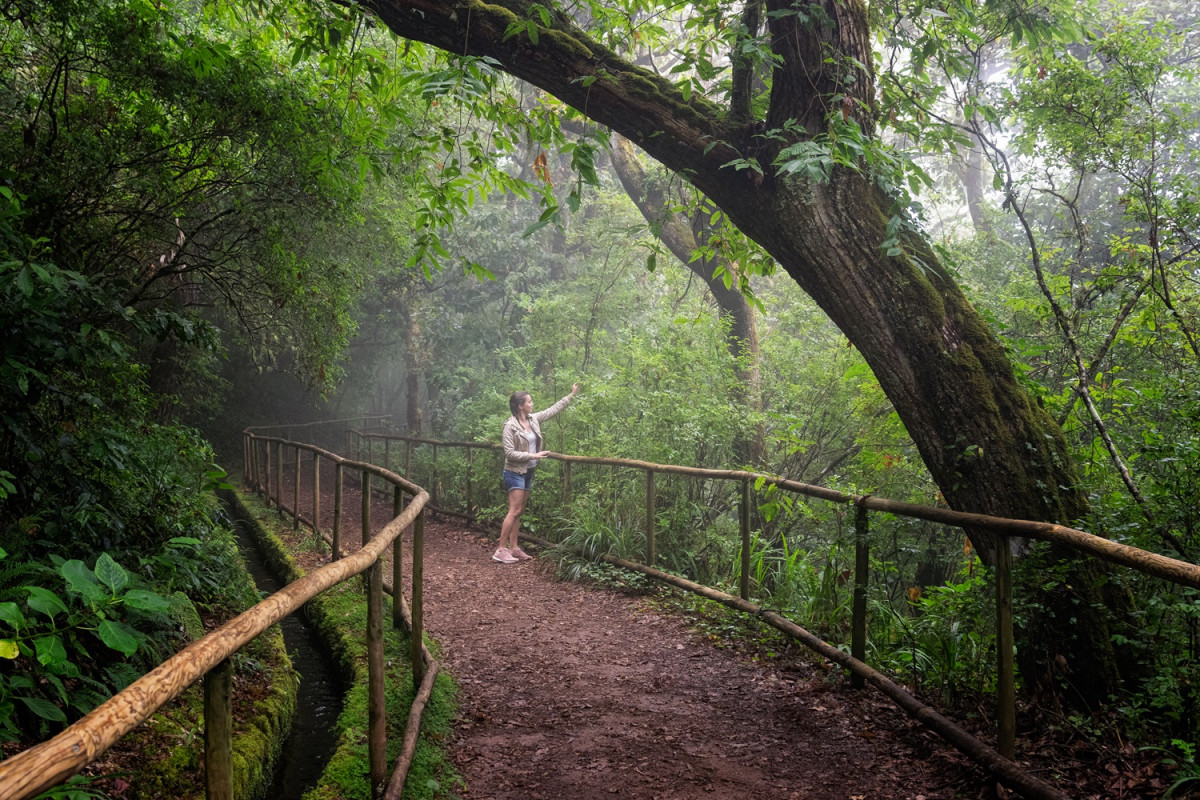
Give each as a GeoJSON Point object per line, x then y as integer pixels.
{"type": "Point", "coordinates": [512, 522]}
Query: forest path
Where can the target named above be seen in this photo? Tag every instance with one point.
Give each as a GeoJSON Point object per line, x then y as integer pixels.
{"type": "Point", "coordinates": [573, 691]}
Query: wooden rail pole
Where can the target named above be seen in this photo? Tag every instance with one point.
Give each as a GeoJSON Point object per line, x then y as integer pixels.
{"type": "Point", "coordinates": [316, 521]}
{"type": "Point", "coordinates": [744, 521]}
{"type": "Point", "coordinates": [296, 495]}
{"type": "Point", "coordinates": [218, 732]}
{"type": "Point", "coordinates": [397, 563]}
{"type": "Point", "coordinates": [650, 503]}
{"type": "Point", "coordinates": [1006, 704]}
{"type": "Point", "coordinates": [376, 711]}
{"type": "Point", "coordinates": [253, 482]}
{"type": "Point", "coordinates": [267, 488]}
{"type": "Point", "coordinates": [366, 507]}
{"type": "Point", "coordinates": [339, 480]}
{"type": "Point", "coordinates": [434, 497]}
{"type": "Point", "coordinates": [469, 452]}
{"type": "Point", "coordinates": [862, 565]}
{"type": "Point", "coordinates": [418, 577]}
{"type": "Point", "coordinates": [279, 479]}
{"type": "Point", "coordinates": [566, 490]}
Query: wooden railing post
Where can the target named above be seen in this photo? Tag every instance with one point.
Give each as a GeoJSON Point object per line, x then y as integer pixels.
{"type": "Point", "coordinates": [387, 453]}
{"type": "Point", "coordinates": [339, 479]}
{"type": "Point", "coordinates": [255, 486]}
{"type": "Point", "coordinates": [218, 732]}
{"type": "Point", "coordinates": [433, 484]}
{"type": "Point", "coordinates": [279, 479]}
{"type": "Point", "coordinates": [1006, 708]}
{"type": "Point", "coordinates": [744, 519]}
{"type": "Point", "coordinates": [650, 553]}
{"type": "Point", "coordinates": [296, 494]}
{"type": "Point", "coordinates": [316, 520]}
{"type": "Point", "coordinates": [566, 488]}
{"type": "Point", "coordinates": [376, 712]}
{"type": "Point", "coordinates": [418, 578]}
{"type": "Point", "coordinates": [397, 561]}
{"type": "Point", "coordinates": [858, 625]}
{"type": "Point", "coordinates": [366, 507]}
{"type": "Point", "coordinates": [267, 487]}
{"type": "Point", "coordinates": [470, 450]}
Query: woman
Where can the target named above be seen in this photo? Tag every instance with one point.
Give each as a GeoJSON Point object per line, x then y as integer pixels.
{"type": "Point", "coordinates": [522, 439]}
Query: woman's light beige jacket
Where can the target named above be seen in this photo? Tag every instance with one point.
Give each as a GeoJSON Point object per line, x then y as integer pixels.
{"type": "Point", "coordinates": [516, 446]}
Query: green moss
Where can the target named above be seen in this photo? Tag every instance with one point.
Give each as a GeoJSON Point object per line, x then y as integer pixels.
{"type": "Point", "coordinates": [183, 612]}
{"type": "Point", "coordinates": [566, 42]}
{"type": "Point", "coordinates": [170, 744]}
{"type": "Point", "coordinates": [257, 743]}
{"type": "Point", "coordinates": [339, 619]}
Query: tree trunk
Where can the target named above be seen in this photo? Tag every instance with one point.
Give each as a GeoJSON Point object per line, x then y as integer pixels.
{"type": "Point", "coordinates": [414, 367]}
{"type": "Point", "coordinates": [990, 448]}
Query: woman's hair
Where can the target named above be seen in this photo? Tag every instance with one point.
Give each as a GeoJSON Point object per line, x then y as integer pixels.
{"type": "Point", "coordinates": [515, 400]}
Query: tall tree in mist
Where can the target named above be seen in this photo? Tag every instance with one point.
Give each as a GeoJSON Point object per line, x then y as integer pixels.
{"type": "Point", "coordinates": [796, 167]}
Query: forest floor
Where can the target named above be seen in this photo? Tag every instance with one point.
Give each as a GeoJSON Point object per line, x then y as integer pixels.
{"type": "Point", "coordinates": [572, 690]}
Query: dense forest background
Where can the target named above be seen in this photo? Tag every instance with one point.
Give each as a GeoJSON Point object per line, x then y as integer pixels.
{"type": "Point", "coordinates": [221, 215]}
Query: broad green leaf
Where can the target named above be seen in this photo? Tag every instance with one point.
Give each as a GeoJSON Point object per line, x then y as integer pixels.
{"type": "Point", "coordinates": [45, 601]}
{"type": "Point", "coordinates": [50, 650]}
{"type": "Point", "coordinates": [10, 613]}
{"type": "Point", "coordinates": [111, 574]}
{"type": "Point", "coordinates": [118, 636]}
{"type": "Point", "coordinates": [82, 580]}
{"type": "Point", "coordinates": [146, 601]}
{"type": "Point", "coordinates": [9, 649]}
{"type": "Point", "coordinates": [44, 709]}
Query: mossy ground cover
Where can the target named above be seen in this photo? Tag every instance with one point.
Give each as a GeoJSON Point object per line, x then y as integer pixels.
{"type": "Point", "coordinates": [340, 618]}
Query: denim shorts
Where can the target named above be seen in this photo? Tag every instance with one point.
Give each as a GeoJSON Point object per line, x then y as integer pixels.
{"type": "Point", "coordinates": [515, 480]}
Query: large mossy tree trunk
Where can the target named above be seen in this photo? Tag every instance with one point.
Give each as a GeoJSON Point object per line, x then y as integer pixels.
{"type": "Point", "coordinates": [990, 448]}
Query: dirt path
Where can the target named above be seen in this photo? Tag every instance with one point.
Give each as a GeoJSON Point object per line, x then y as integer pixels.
{"type": "Point", "coordinates": [574, 692]}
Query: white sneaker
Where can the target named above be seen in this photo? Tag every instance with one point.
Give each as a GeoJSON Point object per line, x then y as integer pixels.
{"type": "Point", "coordinates": [503, 556]}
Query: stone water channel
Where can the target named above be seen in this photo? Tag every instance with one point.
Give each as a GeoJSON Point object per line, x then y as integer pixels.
{"type": "Point", "coordinates": [311, 742]}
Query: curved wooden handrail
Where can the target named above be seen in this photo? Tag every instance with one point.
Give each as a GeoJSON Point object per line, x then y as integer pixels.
{"type": "Point", "coordinates": [1170, 569]}
{"type": "Point", "coordinates": [50, 763]}
{"type": "Point", "coordinates": [313, 423]}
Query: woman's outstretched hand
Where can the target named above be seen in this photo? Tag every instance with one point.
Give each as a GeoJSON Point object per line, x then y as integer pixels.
{"type": "Point", "coordinates": [574, 389]}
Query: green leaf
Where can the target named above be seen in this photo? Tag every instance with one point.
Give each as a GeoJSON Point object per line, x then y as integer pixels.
{"type": "Point", "coordinates": [9, 649]}
{"type": "Point", "coordinates": [45, 601]}
{"type": "Point", "coordinates": [10, 613]}
{"type": "Point", "coordinates": [82, 581]}
{"type": "Point", "coordinates": [118, 636]}
{"type": "Point", "coordinates": [50, 650]}
{"type": "Point", "coordinates": [44, 709]}
{"type": "Point", "coordinates": [25, 282]}
{"type": "Point", "coordinates": [111, 574]}
{"type": "Point", "coordinates": [146, 601]}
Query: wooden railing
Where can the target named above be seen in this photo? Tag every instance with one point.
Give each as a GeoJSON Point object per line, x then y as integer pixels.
{"type": "Point", "coordinates": [997, 760]}
{"type": "Point", "coordinates": [50, 763]}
